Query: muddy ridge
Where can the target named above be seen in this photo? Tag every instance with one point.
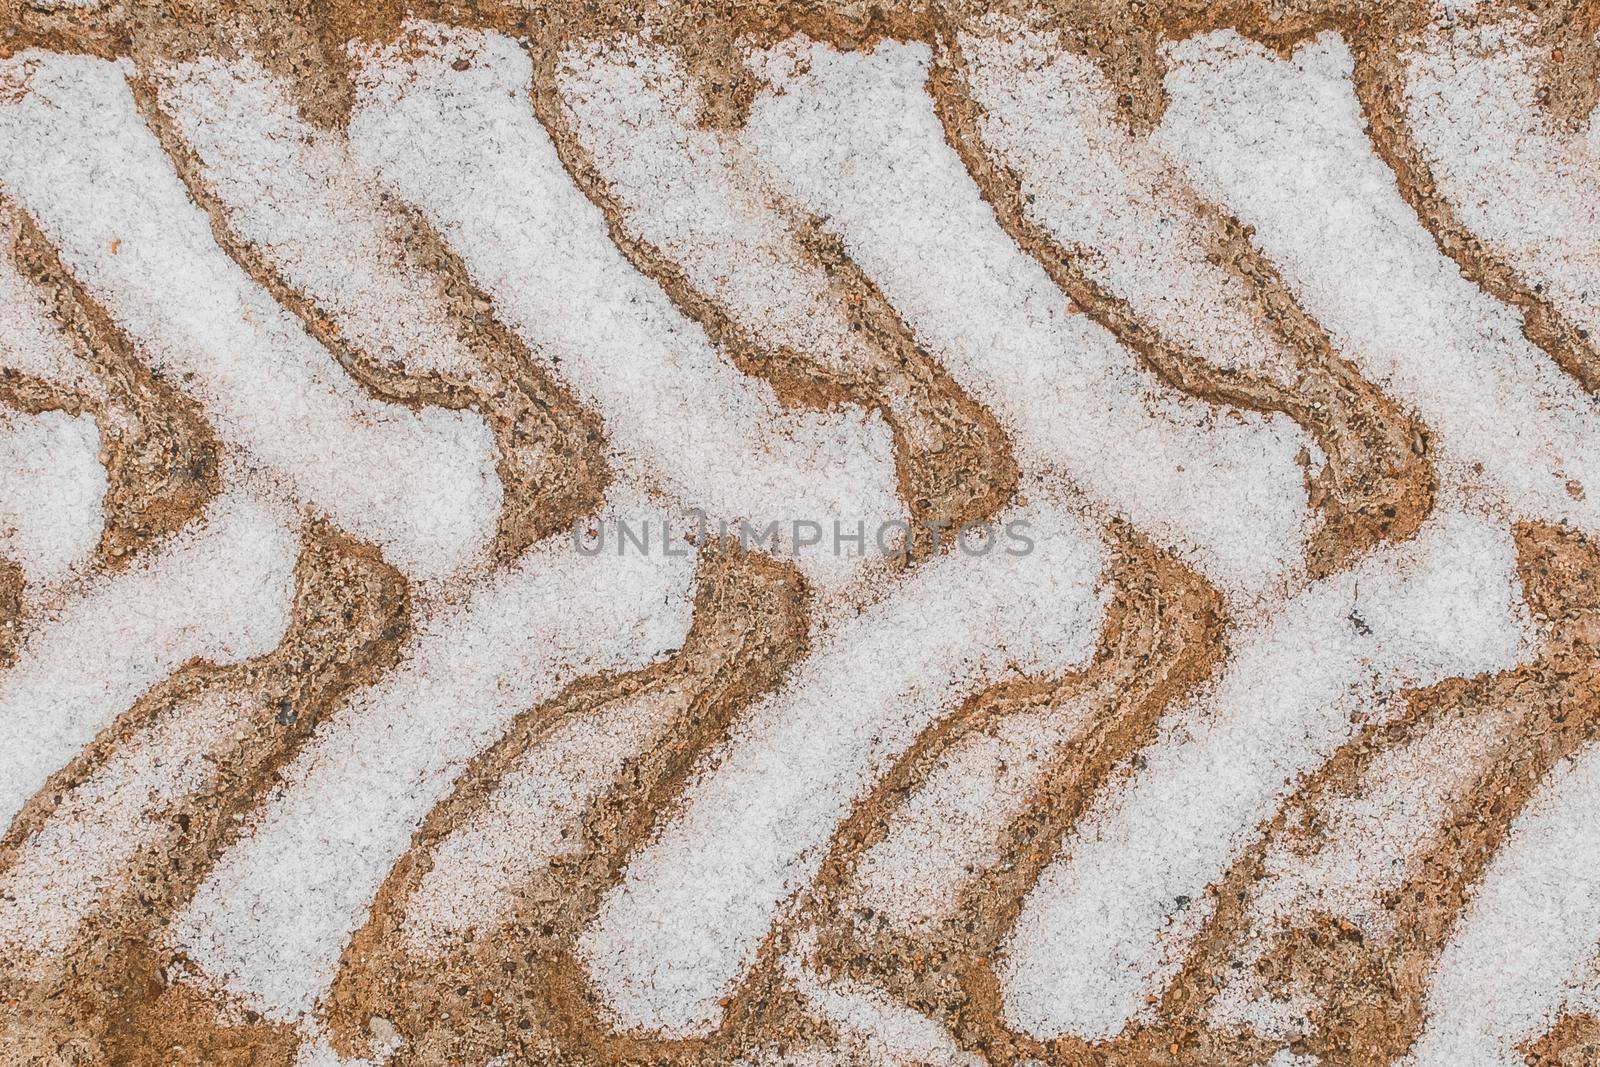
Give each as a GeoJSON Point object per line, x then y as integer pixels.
{"type": "Point", "coordinates": [516, 986]}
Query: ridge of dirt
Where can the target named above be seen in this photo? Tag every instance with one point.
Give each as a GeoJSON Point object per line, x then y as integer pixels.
{"type": "Point", "coordinates": [159, 452]}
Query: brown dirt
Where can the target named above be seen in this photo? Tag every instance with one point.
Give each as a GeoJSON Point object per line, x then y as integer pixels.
{"type": "Point", "coordinates": [115, 997]}
{"type": "Point", "coordinates": [11, 610]}
{"type": "Point", "coordinates": [1574, 1041]}
{"type": "Point", "coordinates": [159, 453]}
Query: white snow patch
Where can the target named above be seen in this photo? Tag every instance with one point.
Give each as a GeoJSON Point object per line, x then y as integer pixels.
{"type": "Point", "coordinates": [60, 871]}
{"type": "Point", "coordinates": [1282, 144]}
{"type": "Point", "coordinates": [533, 816]}
{"type": "Point", "coordinates": [1529, 933]}
{"type": "Point", "coordinates": [300, 197]}
{"type": "Point", "coordinates": [948, 831]}
{"type": "Point", "coordinates": [50, 493]}
{"type": "Point", "coordinates": [1364, 848]}
{"type": "Point", "coordinates": [1110, 195]}
{"type": "Point", "coordinates": [1531, 192]}
{"type": "Point", "coordinates": [695, 194]}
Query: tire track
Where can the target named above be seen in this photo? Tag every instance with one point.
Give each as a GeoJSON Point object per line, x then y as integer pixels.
{"type": "Point", "coordinates": [516, 975]}
{"type": "Point", "coordinates": [735, 1002]}
{"type": "Point", "coordinates": [1379, 80]}
{"type": "Point", "coordinates": [160, 454]}
{"type": "Point", "coordinates": [86, 662]}
{"type": "Point", "coordinates": [514, 985]}
{"type": "Point", "coordinates": [953, 462]}
{"type": "Point", "coordinates": [1162, 637]}
{"type": "Point", "coordinates": [551, 457]}
{"type": "Point", "coordinates": [1535, 897]}
{"type": "Point", "coordinates": [1377, 485]}
{"type": "Point", "coordinates": [272, 921]}
{"type": "Point", "coordinates": [1351, 959]}
{"type": "Point", "coordinates": [1518, 176]}
{"type": "Point", "coordinates": [95, 977]}
{"type": "Point", "coordinates": [148, 257]}
{"type": "Point", "coordinates": [856, 138]}
{"type": "Point", "coordinates": [701, 911]}
{"type": "Point", "coordinates": [682, 419]}
{"type": "Point", "coordinates": [1503, 420]}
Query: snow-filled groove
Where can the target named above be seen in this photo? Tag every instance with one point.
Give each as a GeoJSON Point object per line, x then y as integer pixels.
{"type": "Point", "coordinates": [645, 534]}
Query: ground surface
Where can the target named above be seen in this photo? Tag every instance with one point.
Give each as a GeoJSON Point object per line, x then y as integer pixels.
{"type": "Point", "coordinates": [799, 533]}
